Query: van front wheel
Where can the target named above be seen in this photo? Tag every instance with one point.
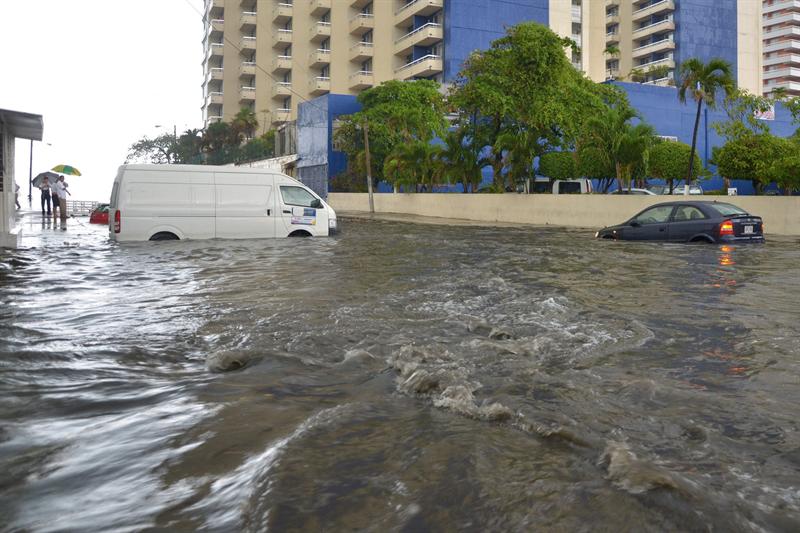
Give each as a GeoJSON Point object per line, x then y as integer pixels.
{"type": "Point", "coordinates": [164, 236]}
{"type": "Point", "coordinates": [300, 233]}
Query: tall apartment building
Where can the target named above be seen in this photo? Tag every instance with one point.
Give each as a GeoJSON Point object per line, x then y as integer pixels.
{"type": "Point", "coordinates": [655, 36]}
{"type": "Point", "coordinates": [270, 55]}
{"type": "Point", "coordinates": [781, 40]}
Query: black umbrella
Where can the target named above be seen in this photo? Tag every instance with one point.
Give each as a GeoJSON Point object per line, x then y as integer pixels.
{"type": "Point", "coordinates": [37, 180]}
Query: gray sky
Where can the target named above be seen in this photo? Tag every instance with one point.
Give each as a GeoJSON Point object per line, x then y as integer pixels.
{"type": "Point", "coordinates": [103, 74]}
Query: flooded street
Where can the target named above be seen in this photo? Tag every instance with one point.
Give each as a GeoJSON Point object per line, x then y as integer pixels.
{"type": "Point", "coordinates": [399, 377]}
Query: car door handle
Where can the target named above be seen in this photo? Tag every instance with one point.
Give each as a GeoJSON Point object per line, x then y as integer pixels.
{"type": "Point", "coordinates": [662, 229]}
{"type": "Point", "coordinates": [269, 212]}
{"type": "Point", "coordinates": [287, 211]}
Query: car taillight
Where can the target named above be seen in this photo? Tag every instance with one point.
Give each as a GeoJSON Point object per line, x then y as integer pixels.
{"type": "Point", "coordinates": [117, 221]}
{"type": "Point", "coordinates": [726, 228]}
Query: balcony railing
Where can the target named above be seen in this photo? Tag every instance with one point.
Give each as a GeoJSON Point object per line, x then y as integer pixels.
{"type": "Point", "coordinates": [653, 9]}
{"type": "Point", "coordinates": [281, 114]}
{"type": "Point", "coordinates": [362, 23]}
{"type": "Point", "coordinates": [424, 66]}
{"type": "Point", "coordinates": [425, 35]}
{"type": "Point", "coordinates": [282, 64]}
{"type": "Point", "coordinates": [214, 97]}
{"type": "Point", "coordinates": [414, 8]}
{"type": "Point", "coordinates": [247, 20]}
{"type": "Point", "coordinates": [247, 43]}
{"type": "Point", "coordinates": [319, 7]}
{"type": "Point", "coordinates": [320, 31]}
{"type": "Point", "coordinates": [247, 68]}
{"type": "Point", "coordinates": [661, 25]}
{"type": "Point", "coordinates": [361, 80]}
{"type": "Point", "coordinates": [281, 37]}
{"type": "Point", "coordinates": [282, 89]}
{"type": "Point", "coordinates": [658, 46]}
{"type": "Point", "coordinates": [247, 93]}
{"type": "Point", "coordinates": [319, 57]}
{"type": "Point", "coordinates": [667, 61]}
{"type": "Point", "coordinates": [282, 12]}
{"type": "Point", "coordinates": [319, 85]}
{"type": "Point", "coordinates": [361, 51]}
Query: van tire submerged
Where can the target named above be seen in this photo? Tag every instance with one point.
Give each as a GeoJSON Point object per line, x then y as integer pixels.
{"type": "Point", "coordinates": [164, 236]}
{"type": "Point", "coordinates": [300, 233]}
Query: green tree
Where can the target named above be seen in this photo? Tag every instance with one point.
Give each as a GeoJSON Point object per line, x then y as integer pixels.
{"type": "Point", "coordinates": [189, 149]}
{"type": "Point", "coordinates": [413, 164]}
{"type": "Point", "coordinates": [525, 85]}
{"type": "Point", "coordinates": [558, 165]}
{"type": "Point", "coordinates": [701, 82]}
{"type": "Point", "coordinates": [593, 164]}
{"type": "Point", "coordinates": [396, 113]}
{"type": "Point", "coordinates": [262, 147]}
{"type": "Point", "coordinates": [785, 170]}
{"type": "Point", "coordinates": [244, 124]}
{"type": "Point", "coordinates": [161, 150]}
{"type": "Point", "coordinates": [749, 158]}
{"type": "Point", "coordinates": [742, 109]}
{"type": "Point", "coordinates": [668, 161]}
{"type": "Point", "coordinates": [618, 143]}
{"type": "Point", "coordinates": [460, 160]}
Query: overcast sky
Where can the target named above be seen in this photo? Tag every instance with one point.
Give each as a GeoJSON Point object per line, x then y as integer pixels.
{"type": "Point", "coordinates": [103, 74]}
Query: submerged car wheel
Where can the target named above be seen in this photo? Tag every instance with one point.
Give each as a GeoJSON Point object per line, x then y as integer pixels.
{"type": "Point", "coordinates": [164, 236]}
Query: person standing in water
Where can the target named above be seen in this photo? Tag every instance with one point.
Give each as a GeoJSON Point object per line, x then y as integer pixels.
{"type": "Point", "coordinates": [45, 188]}
{"type": "Point", "coordinates": [62, 198]}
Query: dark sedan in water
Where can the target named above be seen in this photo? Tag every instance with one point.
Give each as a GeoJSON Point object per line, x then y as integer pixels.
{"type": "Point", "coordinates": [689, 222]}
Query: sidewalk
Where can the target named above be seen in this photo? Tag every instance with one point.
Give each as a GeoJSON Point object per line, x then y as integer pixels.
{"type": "Point", "coordinates": [42, 231]}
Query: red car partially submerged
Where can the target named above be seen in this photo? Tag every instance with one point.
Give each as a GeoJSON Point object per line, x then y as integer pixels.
{"type": "Point", "coordinates": [99, 215]}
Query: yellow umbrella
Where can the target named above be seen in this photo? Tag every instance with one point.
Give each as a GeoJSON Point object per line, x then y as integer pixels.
{"type": "Point", "coordinates": [66, 169]}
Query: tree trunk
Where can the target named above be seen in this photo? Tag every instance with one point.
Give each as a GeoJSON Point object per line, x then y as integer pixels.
{"type": "Point", "coordinates": [694, 146]}
{"type": "Point", "coordinates": [671, 186]}
{"type": "Point", "coordinates": [618, 168]}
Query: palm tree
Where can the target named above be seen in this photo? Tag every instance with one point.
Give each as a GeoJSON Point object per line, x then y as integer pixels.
{"type": "Point", "coordinates": [460, 161]}
{"type": "Point", "coordinates": [702, 81]}
{"type": "Point", "coordinates": [244, 124]}
{"type": "Point", "coordinates": [519, 148]}
{"type": "Point", "coordinates": [411, 164]}
{"type": "Point", "coordinates": [620, 144]}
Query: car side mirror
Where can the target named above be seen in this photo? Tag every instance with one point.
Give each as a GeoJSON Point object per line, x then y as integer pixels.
{"type": "Point", "coordinates": [635, 223]}
{"type": "Point", "coordinates": [316, 203]}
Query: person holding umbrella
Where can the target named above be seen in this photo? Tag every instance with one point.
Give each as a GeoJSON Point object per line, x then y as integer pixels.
{"type": "Point", "coordinates": [44, 186]}
{"type": "Point", "coordinates": [61, 191]}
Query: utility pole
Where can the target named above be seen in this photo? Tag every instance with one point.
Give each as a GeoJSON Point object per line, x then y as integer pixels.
{"type": "Point", "coordinates": [369, 171]}
{"type": "Point", "coordinates": [30, 178]}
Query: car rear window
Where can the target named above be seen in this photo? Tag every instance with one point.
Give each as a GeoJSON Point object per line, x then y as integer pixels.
{"type": "Point", "coordinates": [729, 209]}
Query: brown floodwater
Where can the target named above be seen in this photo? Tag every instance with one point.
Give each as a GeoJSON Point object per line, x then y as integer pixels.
{"type": "Point", "coordinates": [398, 377]}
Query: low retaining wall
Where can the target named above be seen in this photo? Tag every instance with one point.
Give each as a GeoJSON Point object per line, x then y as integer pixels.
{"type": "Point", "coordinates": [781, 214]}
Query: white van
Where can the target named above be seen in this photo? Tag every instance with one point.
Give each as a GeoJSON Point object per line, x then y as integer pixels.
{"type": "Point", "coordinates": [168, 202]}
{"type": "Point", "coordinates": [578, 186]}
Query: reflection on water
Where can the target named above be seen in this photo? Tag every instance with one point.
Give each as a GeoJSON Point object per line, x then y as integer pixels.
{"type": "Point", "coordinates": [398, 377]}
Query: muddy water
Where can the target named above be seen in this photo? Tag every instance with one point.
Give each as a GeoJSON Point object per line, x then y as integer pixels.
{"type": "Point", "coordinates": [399, 377]}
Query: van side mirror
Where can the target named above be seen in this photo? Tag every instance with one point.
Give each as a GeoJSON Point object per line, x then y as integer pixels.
{"type": "Point", "coordinates": [316, 203]}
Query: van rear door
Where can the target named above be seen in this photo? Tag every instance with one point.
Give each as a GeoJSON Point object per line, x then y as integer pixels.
{"type": "Point", "coordinates": [245, 205]}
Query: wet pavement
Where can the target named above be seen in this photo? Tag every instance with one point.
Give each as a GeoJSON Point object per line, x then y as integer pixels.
{"type": "Point", "coordinates": [398, 377]}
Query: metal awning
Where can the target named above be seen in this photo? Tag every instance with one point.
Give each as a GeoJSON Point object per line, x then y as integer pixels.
{"type": "Point", "coordinates": [22, 125]}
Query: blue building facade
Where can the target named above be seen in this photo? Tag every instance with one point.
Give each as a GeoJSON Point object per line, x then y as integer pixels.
{"type": "Point", "coordinates": [473, 24]}
{"type": "Point", "coordinates": [706, 29]}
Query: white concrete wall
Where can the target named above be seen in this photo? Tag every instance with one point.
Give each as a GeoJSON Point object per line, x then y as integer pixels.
{"type": "Point", "coordinates": [9, 236]}
{"type": "Point", "coordinates": [781, 215]}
